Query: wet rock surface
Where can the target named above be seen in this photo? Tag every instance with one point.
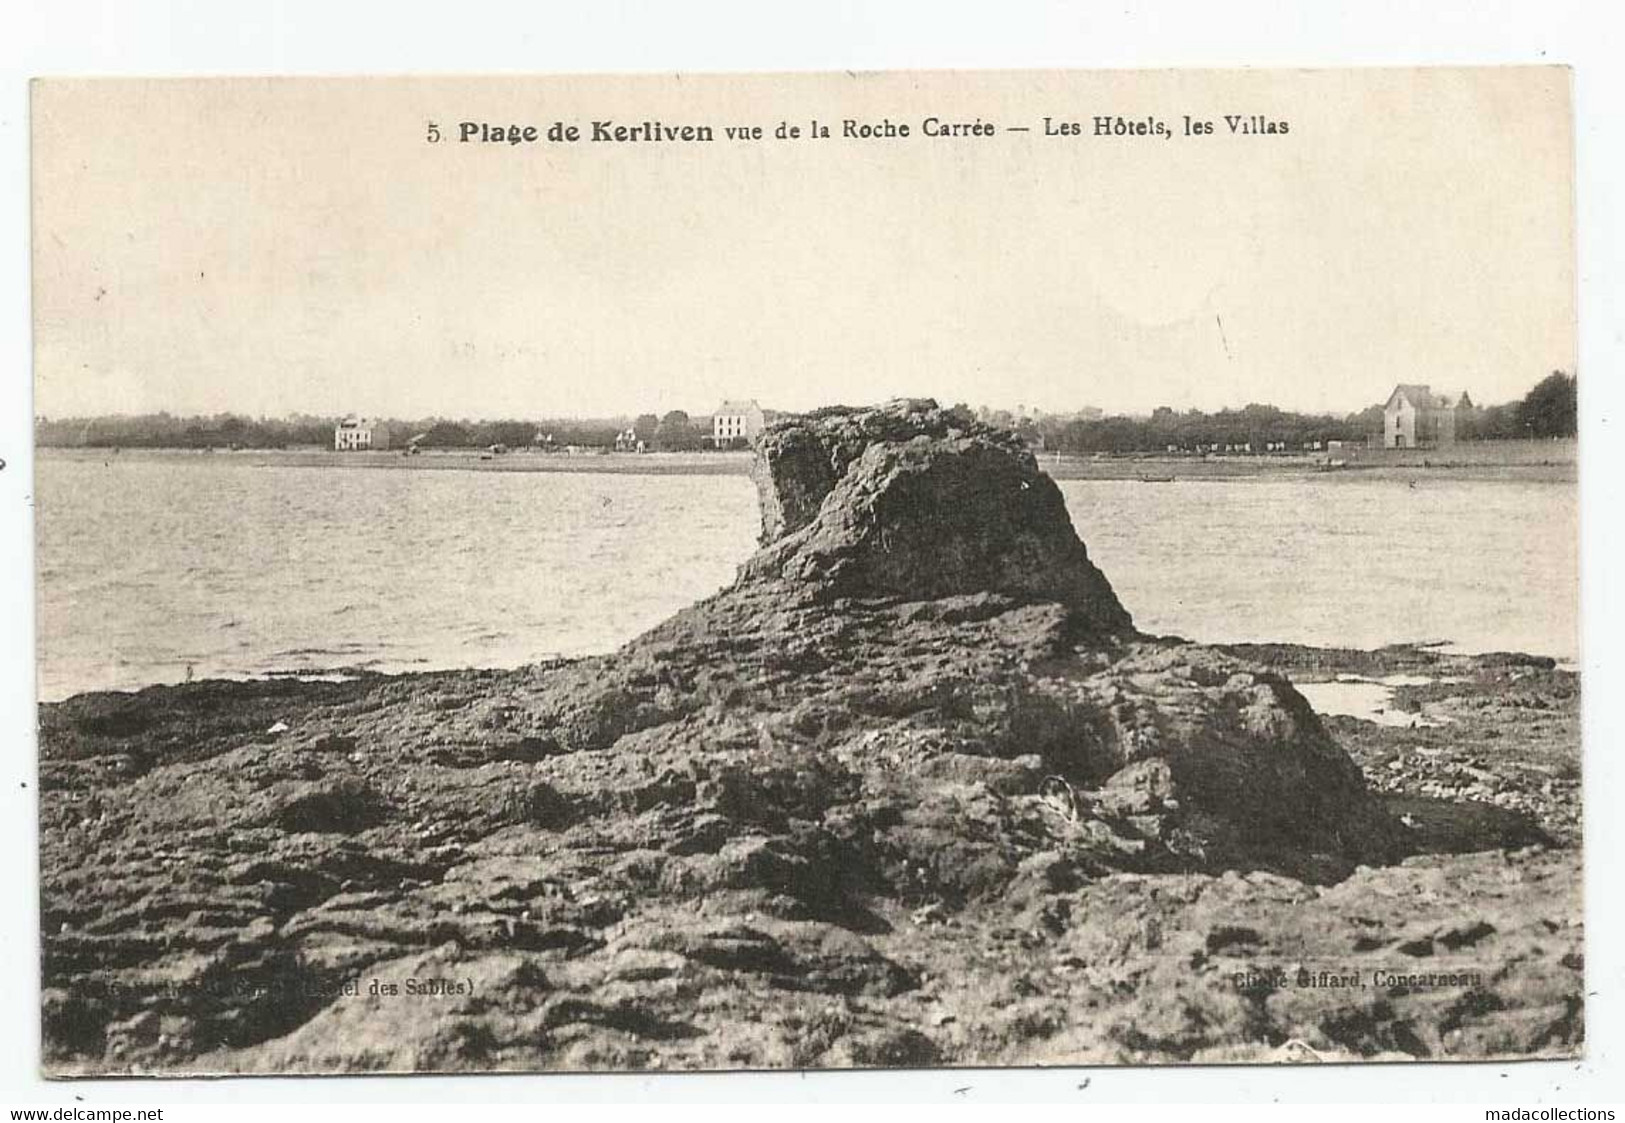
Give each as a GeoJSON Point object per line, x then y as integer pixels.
{"type": "Point", "coordinates": [912, 791]}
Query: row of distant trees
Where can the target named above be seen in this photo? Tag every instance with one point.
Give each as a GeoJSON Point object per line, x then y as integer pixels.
{"type": "Point", "coordinates": [675, 430]}
{"type": "Point", "coordinates": [1256, 426]}
{"type": "Point", "coordinates": [163, 430]}
{"type": "Point", "coordinates": [1549, 410]}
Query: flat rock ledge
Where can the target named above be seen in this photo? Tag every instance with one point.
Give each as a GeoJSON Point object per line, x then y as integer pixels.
{"type": "Point", "coordinates": [828, 816]}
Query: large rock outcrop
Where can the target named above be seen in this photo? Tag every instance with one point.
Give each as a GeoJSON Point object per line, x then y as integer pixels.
{"type": "Point", "coordinates": [911, 504]}
{"type": "Point", "coordinates": [914, 501]}
{"type": "Point", "coordinates": [910, 791]}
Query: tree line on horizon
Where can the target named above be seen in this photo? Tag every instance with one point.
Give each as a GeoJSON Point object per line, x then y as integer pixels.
{"type": "Point", "coordinates": [1550, 409]}
{"type": "Point", "coordinates": [230, 430]}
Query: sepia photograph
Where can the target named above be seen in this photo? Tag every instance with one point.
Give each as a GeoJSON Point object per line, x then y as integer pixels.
{"type": "Point", "coordinates": [817, 570]}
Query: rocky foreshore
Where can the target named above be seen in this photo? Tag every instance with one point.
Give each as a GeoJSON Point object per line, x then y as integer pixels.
{"type": "Point", "coordinates": [912, 791]}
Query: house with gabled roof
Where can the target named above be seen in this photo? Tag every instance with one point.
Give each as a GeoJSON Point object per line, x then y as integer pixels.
{"type": "Point", "coordinates": [1416, 417]}
{"type": "Point", "coordinates": [736, 423]}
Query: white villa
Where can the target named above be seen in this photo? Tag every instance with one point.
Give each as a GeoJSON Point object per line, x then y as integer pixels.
{"type": "Point", "coordinates": [736, 421]}
{"type": "Point", "coordinates": [355, 433]}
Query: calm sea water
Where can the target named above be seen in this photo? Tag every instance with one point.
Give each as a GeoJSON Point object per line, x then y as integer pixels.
{"type": "Point", "coordinates": [1355, 562]}
{"type": "Point", "coordinates": [153, 567]}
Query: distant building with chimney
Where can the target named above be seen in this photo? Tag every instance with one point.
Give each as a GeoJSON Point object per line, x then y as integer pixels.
{"type": "Point", "coordinates": [736, 423]}
{"type": "Point", "coordinates": [1416, 417]}
{"type": "Point", "coordinates": [358, 433]}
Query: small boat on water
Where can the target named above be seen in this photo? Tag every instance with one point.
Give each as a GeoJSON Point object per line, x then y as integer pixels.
{"type": "Point", "coordinates": [1156, 479]}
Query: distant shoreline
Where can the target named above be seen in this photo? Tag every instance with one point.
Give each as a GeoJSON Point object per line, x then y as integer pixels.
{"type": "Point", "coordinates": [465, 460]}
{"type": "Point", "coordinates": [1525, 461]}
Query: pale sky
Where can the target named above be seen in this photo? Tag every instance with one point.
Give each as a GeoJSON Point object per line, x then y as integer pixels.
{"type": "Point", "coordinates": [270, 246]}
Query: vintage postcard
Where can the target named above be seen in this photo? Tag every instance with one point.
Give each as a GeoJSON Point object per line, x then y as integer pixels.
{"type": "Point", "coordinates": [806, 570]}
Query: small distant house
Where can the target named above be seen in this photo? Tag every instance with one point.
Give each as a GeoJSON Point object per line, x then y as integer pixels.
{"type": "Point", "coordinates": [627, 440]}
{"type": "Point", "coordinates": [357, 433]}
{"type": "Point", "coordinates": [1416, 417]}
{"type": "Point", "coordinates": [736, 423]}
